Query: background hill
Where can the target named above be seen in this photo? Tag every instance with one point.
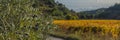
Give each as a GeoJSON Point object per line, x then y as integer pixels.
{"type": "Point", "coordinates": [112, 12]}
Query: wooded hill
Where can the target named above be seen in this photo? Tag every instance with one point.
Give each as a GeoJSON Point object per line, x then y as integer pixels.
{"type": "Point", "coordinates": [112, 12]}
{"type": "Point", "coordinates": [56, 10]}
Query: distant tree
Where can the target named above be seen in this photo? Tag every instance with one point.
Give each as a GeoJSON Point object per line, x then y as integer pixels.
{"type": "Point", "coordinates": [71, 17]}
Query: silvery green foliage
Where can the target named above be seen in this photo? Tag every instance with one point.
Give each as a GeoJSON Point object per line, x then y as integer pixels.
{"type": "Point", "coordinates": [19, 20]}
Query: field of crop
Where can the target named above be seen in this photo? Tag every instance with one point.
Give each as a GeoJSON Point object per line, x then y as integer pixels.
{"type": "Point", "coordinates": [103, 27]}
{"type": "Point", "coordinates": [86, 23]}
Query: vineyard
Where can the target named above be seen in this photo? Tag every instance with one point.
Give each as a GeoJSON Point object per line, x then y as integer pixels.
{"type": "Point", "coordinates": [103, 27]}
{"type": "Point", "coordinates": [86, 23]}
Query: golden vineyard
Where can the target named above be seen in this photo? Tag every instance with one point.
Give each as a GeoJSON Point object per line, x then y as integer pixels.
{"type": "Point", "coordinates": [87, 23]}
{"type": "Point", "coordinates": [106, 26]}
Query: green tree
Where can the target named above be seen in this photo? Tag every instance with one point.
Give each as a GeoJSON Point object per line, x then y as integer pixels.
{"type": "Point", "coordinates": [71, 17]}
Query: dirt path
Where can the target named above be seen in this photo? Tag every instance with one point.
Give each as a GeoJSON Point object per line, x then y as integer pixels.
{"type": "Point", "coordinates": [53, 38]}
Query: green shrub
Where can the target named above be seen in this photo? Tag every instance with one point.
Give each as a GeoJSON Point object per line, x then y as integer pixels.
{"type": "Point", "coordinates": [19, 20]}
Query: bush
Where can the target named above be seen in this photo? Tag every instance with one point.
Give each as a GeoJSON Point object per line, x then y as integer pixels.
{"type": "Point", "coordinates": [19, 20]}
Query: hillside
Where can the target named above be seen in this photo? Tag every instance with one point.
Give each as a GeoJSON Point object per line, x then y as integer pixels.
{"type": "Point", "coordinates": [56, 10]}
{"type": "Point", "coordinates": [30, 19]}
{"type": "Point", "coordinates": [112, 12]}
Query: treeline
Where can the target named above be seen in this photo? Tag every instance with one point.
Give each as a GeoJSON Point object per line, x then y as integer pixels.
{"type": "Point", "coordinates": [56, 10]}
